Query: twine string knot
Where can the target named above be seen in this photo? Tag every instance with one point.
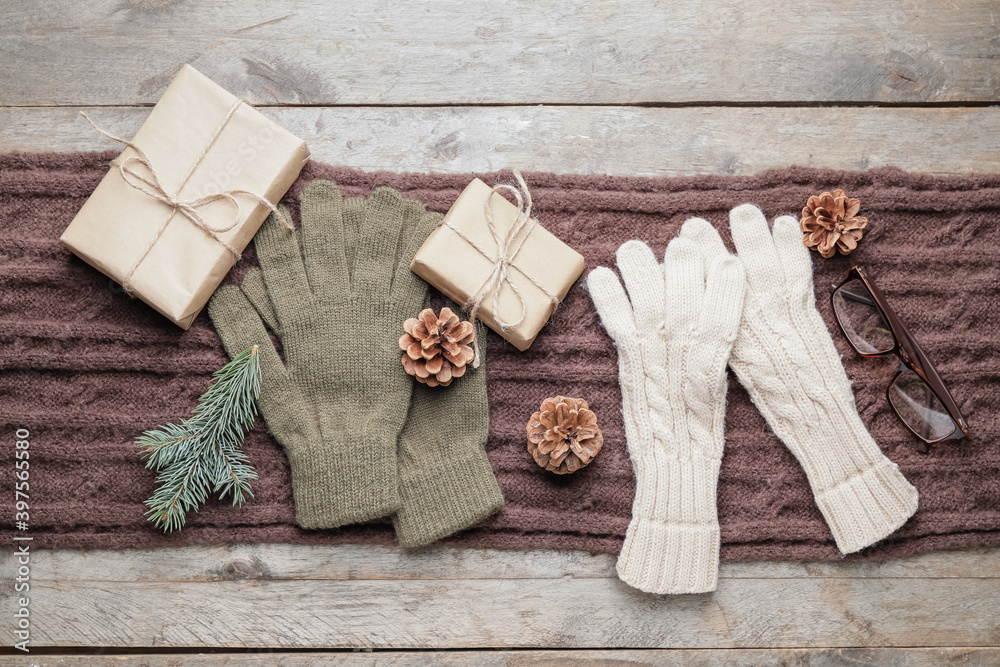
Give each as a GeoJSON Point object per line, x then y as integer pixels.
{"type": "Point", "coordinates": [508, 246]}
{"type": "Point", "coordinates": [151, 184]}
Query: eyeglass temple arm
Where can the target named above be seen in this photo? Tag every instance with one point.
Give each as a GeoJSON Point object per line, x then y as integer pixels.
{"type": "Point", "coordinates": [858, 298]}
{"type": "Point", "coordinates": [914, 354]}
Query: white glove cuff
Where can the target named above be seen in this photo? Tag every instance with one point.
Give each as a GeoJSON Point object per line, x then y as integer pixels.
{"type": "Point", "coordinates": [867, 507]}
{"type": "Point", "coordinates": [672, 543]}
{"type": "Point", "coordinates": [862, 494]}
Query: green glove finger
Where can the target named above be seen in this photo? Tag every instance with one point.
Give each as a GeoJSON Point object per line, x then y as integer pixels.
{"type": "Point", "coordinates": [354, 217]}
{"type": "Point", "coordinates": [408, 287]}
{"type": "Point", "coordinates": [256, 293]}
{"type": "Point", "coordinates": [240, 328]}
{"type": "Point", "coordinates": [281, 261]}
{"type": "Point", "coordinates": [377, 240]}
{"type": "Point", "coordinates": [323, 237]}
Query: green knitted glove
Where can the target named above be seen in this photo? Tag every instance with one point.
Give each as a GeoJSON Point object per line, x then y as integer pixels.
{"type": "Point", "coordinates": [446, 482]}
{"type": "Point", "coordinates": [445, 479]}
{"type": "Point", "coordinates": [338, 402]}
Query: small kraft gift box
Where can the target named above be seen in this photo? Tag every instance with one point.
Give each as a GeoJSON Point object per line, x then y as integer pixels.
{"type": "Point", "coordinates": [491, 256]}
{"type": "Point", "coordinates": [185, 197]}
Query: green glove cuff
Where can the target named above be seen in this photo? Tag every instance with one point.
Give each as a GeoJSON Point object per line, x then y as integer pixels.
{"type": "Point", "coordinates": [339, 487]}
{"type": "Point", "coordinates": [453, 496]}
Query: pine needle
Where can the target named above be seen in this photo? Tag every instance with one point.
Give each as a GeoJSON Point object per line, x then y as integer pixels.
{"type": "Point", "coordinates": [202, 455]}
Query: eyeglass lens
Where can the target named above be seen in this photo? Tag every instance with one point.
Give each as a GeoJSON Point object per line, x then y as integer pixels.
{"type": "Point", "coordinates": [917, 405]}
{"type": "Point", "coordinates": [861, 320]}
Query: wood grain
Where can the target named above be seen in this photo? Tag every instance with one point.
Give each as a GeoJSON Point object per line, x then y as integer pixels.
{"type": "Point", "coordinates": [587, 140]}
{"type": "Point", "coordinates": [488, 613]}
{"type": "Point", "coordinates": [359, 52]}
{"type": "Point", "coordinates": [911, 657]}
{"type": "Point", "coordinates": [284, 596]}
{"type": "Point", "coordinates": [287, 562]}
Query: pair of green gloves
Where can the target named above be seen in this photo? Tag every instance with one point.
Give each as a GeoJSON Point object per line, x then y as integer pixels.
{"type": "Point", "coordinates": [363, 439]}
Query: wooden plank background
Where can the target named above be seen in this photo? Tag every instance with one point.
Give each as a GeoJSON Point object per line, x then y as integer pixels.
{"type": "Point", "coordinates": [367, 597]}
{"type": "Point", "coordinates": [617, 87]}
{"type": "Point", "coordinates": [586, 140]}
{"type": "Point", "coordinates": [385, 52]}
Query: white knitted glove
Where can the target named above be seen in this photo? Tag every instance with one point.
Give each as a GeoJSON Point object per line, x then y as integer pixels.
{"type": "Point", "coordinates": [786, 359]}
{"type": "Point", "coordinates": [673, 342]}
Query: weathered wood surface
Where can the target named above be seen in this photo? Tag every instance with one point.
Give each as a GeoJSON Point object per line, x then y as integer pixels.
{"type": "Point", "coordinates": [359, 52]}
{"type": "Point", "coordinates": [587, 140]}
{"type": "Point", "coordinates": [378, 597]}
{"type": "Point", "coordinates": [592, 613]}
{"type": "Point", "coordinates": [287, 562]}
{"type": "Point", "coordinates": [912, 657]}
{"type": "Point", "coordinates": [332, 73]}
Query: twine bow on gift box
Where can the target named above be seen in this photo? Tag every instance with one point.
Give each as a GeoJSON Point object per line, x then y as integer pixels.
{"type": "Point", "coordinates": [508, 245]}
{"type": "Point", "coordinates": [152, 185]}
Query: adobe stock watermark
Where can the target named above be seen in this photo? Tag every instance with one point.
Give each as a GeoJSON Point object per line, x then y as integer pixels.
{"type": "Point", "coordinates": [225, 176]}
{"type": "Point", "coordinates": [22, 546]}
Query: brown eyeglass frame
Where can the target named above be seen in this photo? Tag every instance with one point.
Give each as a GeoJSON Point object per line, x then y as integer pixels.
{"type": "Point", "coordinates": [910, 355]}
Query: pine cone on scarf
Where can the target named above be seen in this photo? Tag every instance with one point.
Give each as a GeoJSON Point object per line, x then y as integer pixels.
{"type": "Point", "coordinates": [563, 435]}
{"type": "Point", "coordinates": [437, 348]}
{"type": "Point", "coordinates": [830, 222]}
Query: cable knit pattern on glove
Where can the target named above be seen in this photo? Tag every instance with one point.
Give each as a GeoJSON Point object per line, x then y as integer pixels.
{"type": "Point", "coordinates": [673, 343]}
{"type": "Point", "coordinates": [786, 359]}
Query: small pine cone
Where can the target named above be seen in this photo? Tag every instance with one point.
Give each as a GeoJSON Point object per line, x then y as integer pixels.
{"type": "Point", "coordinates": [437, 348]}
{"type": "Point", "coordinates": [563, 435]}
{"type": "Point", "coordinates": [830, 222]}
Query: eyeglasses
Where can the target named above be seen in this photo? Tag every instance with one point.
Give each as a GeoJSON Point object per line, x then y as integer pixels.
{"type": "Point", "coordinates": [917, 393]}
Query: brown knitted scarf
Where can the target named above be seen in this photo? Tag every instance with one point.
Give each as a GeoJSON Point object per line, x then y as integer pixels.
{"type": "Point", "coordinates": [86, 369]}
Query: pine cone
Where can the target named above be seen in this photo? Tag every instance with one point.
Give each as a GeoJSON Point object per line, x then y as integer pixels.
{"type": "Point", "coordinates": [437, 347]}
{"type": "Point", "coordinates": [563, 435]}
{"type": "Point", "coordinates": [830, 222]}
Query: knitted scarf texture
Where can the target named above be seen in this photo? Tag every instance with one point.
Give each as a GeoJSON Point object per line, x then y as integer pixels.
{"type": "Point", "coordinates": [86, 369]}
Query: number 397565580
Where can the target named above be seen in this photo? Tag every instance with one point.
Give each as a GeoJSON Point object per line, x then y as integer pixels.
{"type": "Point", "coordinates": [22, 447]}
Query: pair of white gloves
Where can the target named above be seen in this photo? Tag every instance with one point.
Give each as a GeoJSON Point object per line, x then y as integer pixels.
{"type": "Point", "coordinates": [681, 323]}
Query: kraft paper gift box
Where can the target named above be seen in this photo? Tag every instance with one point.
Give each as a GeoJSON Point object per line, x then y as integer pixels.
{"type": "Point", "coordinates": [459, 262]}
{"type": "Point", "coordinates": [200, 141]}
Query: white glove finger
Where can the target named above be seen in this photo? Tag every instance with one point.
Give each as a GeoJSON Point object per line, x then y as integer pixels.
{"type": "Point", "coordinates": [755, 248]}
{"type": "Point", "coordinates": [794, 257]}
{"type": "Point", "coordinates": [616, 316]}
{"type": "Point", "coordinates": [797, 261]}
{"type": "Point", "coordinates": [707, 237]}
{"type": "Point", "coordinates": [644, 281]}
{"type": "Point", "coordinates": [611, 303]}
{"type": "Point", "coordinates": [685, 283]}
{"type": "Point", "coordinates": [723, 306]}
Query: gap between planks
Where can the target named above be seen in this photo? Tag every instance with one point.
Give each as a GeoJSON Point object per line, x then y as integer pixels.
{"type": "Point", "coordinates": [819, 657]}
{"type": "Point", "coordinates": [750, 104]}
{"type": "Point", "coordinates": [349, 562]}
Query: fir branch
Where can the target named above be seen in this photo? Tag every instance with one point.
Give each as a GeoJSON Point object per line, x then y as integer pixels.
{"type": "Point", "coordinates": [202, 454]}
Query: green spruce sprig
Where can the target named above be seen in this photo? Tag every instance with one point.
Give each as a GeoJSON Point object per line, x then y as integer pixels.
{"type": "Point", "coordinates": [203, 453]}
